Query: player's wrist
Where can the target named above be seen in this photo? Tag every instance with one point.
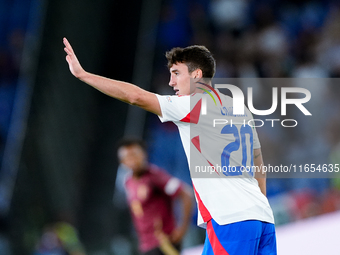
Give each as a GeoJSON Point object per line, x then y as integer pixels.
{"type": "Point", "coordinates": [82, 75]}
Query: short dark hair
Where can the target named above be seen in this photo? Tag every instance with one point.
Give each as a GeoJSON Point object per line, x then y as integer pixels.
{"type": "Point", "coordinates": [129, 141]}
{"type": "Point", "coordinates": [194, 57]}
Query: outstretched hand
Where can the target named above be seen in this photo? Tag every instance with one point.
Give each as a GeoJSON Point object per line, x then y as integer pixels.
{"type": "Point", "coordinates": [71, 58]}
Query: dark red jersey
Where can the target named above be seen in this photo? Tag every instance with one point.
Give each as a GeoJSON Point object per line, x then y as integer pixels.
{"type": "Point", "coordinates": [150, 198]}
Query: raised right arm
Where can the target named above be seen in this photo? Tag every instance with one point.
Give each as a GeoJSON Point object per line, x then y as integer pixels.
{"type": "Point", "coordinates": [120, 90]}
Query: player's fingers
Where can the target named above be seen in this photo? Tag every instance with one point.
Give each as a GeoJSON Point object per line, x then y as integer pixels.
{"type": "Point", "coordinates": [65, 42]}
{"type": "Point", "coordinates": [68, 59]}
{"type": "Point", "coordinates": [67, 45]}
{"type": "Point", "coordinates": [67, 51]}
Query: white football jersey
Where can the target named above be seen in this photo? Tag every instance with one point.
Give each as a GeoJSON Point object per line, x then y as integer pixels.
{"type": "Point", "coordinates": [219, 148]}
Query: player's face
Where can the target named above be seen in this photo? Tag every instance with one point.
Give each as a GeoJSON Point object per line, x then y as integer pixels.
{"type": "Point", "coordinates": [133, 157]}
{"type": "Point", "coordinates": [180, 79]}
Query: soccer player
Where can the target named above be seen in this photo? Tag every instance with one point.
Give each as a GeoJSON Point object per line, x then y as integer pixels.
{"type": "Point", "coordinates": [232, 205]}
{"type": "Point", "coordinates": [150, 194]}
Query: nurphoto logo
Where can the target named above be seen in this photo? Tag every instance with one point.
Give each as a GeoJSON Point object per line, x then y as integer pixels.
{"type": "Point", "coordinates": [239, 99]}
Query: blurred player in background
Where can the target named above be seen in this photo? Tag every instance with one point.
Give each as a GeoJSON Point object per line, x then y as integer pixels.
{"type": "Point", "coordinates": [232, 206]}
{"type": "Point", "coordinates": [150, 193]}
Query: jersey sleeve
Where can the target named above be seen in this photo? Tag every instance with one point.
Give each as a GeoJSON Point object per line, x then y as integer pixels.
{"type": "Point", "coordinates": [173, 108]}
{"type": "Point", "coordinates": [170, 185]}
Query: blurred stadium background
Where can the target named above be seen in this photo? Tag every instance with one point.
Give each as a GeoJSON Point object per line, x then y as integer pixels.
{"type": "Point", "coordinates": [57, 135]}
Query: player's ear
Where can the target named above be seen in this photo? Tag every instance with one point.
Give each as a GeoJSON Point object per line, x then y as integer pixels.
{"type": "Point", "coordinates": [198, 73]}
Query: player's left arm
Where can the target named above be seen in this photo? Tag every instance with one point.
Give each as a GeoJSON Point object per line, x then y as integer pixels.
{"type": "Point", "coordinates": [186, 199]}
{"type": "Point", "coordinates": [120, 90]}
{"type": "Point", "coordinates": [260, 175]}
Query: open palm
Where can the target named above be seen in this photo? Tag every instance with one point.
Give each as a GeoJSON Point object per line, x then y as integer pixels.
{"type": "Point", "coordinates": [71, 58]}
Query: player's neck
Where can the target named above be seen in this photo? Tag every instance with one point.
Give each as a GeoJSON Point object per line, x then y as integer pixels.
{"type": "Point", "coordinates": [140, 173]}
{"type": "Point", "coordinates": [201, 86]}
